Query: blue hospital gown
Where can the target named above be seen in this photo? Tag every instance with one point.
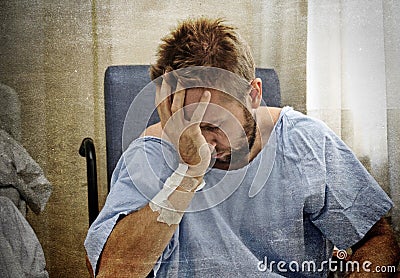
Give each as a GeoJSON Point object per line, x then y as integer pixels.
{"type": "Point", "coordinates": [302, 194]}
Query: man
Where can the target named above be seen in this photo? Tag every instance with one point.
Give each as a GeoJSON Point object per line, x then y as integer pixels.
{"type": "Point", "coordinates": [222, 187]}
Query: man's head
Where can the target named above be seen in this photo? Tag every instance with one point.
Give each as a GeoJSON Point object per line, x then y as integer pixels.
{"type": "Point", "coordinates": [212, 53]}
{"type": "Point", "coordinates": [226, 125]}
{"type": "Point", "coordinates": [204, 42]}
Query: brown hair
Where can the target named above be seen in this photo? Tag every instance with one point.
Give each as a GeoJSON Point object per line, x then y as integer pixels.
{"type": "Point", "coordinates": [204, 42]}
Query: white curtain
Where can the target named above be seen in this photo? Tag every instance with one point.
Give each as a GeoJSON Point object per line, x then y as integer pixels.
{"type": "Point", "coordinates": [353, 81]}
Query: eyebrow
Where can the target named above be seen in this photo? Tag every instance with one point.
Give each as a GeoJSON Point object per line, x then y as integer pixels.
{"type": "Point", "coordinates": [206, 124]}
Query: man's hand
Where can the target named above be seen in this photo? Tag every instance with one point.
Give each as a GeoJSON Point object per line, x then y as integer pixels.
{"type": "Point", "coordinates": [379, 246]}
{"type": "Point", "coordinates": [184, 134]}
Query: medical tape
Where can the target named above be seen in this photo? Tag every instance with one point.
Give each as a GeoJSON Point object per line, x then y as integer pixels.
{"type": "Point", "coordinates": [160, 203]}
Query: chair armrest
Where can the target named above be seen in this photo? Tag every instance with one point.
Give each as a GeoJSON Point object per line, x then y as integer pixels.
{"type": "Point", "coordinates": [87, 150]}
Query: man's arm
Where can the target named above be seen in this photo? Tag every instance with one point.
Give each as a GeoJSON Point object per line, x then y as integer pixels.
{"type": "Point", "coordinates": [379, 246]}
{"type": "Point", "coordinates": [138, 240]}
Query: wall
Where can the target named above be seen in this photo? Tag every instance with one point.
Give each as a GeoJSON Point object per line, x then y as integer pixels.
{"type": "Point", "coordinates": [391, 12]}
{"type": "Point", "coordinates": [47, 57]}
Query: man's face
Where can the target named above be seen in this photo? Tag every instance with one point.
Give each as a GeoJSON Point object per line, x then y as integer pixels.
{"type": "Point", "coordinates": [227, 126]}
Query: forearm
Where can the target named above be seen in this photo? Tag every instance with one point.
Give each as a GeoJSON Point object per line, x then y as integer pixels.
{"type": "Point", "coordinates": [138, 240]}
{"type": "Point", "coordinates": [379, 246]}
{"type": "Point", "coordinates": [134, 245]}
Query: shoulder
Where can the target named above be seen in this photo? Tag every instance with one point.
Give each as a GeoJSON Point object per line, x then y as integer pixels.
{"type": "Point", "coordinates": [295, 124]}
{"type": "Point", "coordinates": [154, 130]}
{"type": "Point", "coordinates": [146, 154]}
{"type": "Point", "coordinates": [302, 135]}
{"type": "Point", "coordinates": [149, 142]}
{"type": "Point", "coordinates": [296, 119]}
{"type": "Point", "coordinates": [289, 119]}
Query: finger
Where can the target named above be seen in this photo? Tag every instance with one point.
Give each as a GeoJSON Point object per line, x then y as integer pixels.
{"type": "Point", "coordinates": [201, 108]}
{"type": "Point", "coordinates": [179, 99]}
{"type": "Point", "coordinates": [162, 92]}
{"type": "Point", "coordinates": [164, 105]}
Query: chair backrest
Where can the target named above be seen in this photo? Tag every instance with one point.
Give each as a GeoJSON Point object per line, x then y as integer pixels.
{"type": "Point", "coordinates": [123, 83]}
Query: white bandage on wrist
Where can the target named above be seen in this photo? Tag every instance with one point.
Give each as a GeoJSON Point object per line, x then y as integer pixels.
{"type": "Point", "coordinates": [160, 203]}
{"type": "Point", "coordinates": [167, 213]}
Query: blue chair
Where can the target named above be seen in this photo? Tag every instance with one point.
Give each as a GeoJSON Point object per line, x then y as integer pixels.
{"type": "Point", "coordinates": [121, 85]}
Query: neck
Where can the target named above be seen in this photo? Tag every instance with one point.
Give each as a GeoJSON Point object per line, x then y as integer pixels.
{"type": "Point", "coordinates": [266, 118]}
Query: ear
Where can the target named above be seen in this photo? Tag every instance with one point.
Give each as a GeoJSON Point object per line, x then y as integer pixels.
{"type": "Point", "coordinates": [256, 93]}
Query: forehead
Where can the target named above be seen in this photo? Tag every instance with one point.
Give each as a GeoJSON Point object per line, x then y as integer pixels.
{"type": "Point", "coordinates": [193, 96]}
{"type": "Point", "coordinates": [221, 104]}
